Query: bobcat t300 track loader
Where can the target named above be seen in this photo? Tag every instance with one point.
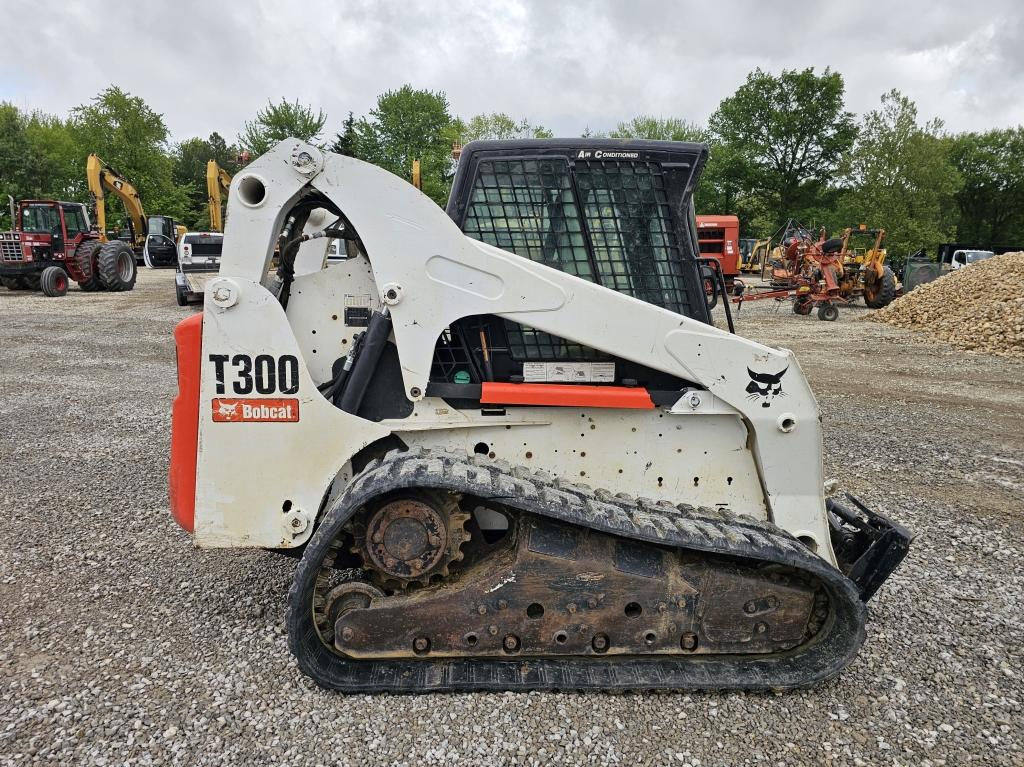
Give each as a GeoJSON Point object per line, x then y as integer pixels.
{"type": "Point", "coordinates": [534, 466]}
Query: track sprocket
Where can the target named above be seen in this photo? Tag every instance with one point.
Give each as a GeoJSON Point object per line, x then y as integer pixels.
{"type": "Point", "coordinates": [409, 540]}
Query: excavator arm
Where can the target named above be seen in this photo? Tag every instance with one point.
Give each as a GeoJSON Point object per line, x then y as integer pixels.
{"type": "Point", "coordinates": [218, 182]}
{"type": "Point", "coordinates": [103, 178]}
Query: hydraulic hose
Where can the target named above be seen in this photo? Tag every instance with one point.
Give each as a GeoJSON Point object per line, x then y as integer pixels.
{"type": "Point", "coordinates": [333, 389]}
{"type": "Point", "coordinates": [358, 379]}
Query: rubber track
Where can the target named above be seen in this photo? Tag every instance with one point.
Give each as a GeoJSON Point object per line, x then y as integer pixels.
{"type": "Point", "coordinates": [698, 529]}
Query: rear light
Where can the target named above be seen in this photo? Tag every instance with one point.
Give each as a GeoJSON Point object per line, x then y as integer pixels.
{"type": "Point", "coordinates": [186, 254]}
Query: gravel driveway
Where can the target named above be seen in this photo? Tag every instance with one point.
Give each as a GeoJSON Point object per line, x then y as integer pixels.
{"type": "Point", "coordinates": [122, 644]}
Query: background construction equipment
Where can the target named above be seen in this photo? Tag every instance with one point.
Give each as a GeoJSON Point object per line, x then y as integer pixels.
{"type": "Point", "coordinates": [152, 238]}
{"type": "Point", "coordinates": [218, 183]}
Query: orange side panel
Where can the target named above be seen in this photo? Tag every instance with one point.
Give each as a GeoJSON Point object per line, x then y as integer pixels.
{"type": "Point", "coordinates": [188, 338]}
{"type": "Point", "coordinates": [565, 395]}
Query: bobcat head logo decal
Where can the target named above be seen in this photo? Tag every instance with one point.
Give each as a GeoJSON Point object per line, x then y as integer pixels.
{"type": "Point", "coordinates": [765, 386]}
{"type": "Point", "coordinates": [226, 410]}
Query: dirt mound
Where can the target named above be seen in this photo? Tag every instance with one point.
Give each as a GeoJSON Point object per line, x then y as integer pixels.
{"type": "Point", "coordinates": [980, 307]}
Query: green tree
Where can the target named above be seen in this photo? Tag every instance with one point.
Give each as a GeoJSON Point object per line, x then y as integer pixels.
{"type": "Point", "coordinates": [280, 121]}
{"type": "Point", "coordinates": [39, 158]}
{"type": "Point", "coordinates": [125, 132]}
{"type": "Point", "coordinates": [791, 132]}
{"type": "Point", "coordinates": [724, 188]}
{"type": "Point", "coordinates": [991, 202]}
{"type": "Point", "coordinates": [903, 179]}
{"type": "Point", "coordinates": [345, 139]}
{"type": "Point", "coordinates": [410, 124]}
{"type": "Point", "coordinates": [499, 125]}
{"type": "Point", "coordinates": [660, 129]}
{"type": "Point", "coordinates": [189, 173]}
{"type": "Point", "coordinates": [56, 158]}
{"type": "Point", "coordinates": [15, 157]}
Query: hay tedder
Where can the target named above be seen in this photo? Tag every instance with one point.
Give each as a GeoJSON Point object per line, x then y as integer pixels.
{"type": "Point", "coordinates": [510, 445]}
{"type": "Point", "coordinates": [823, 274]}
{"type": "Point", "coordinates": [809, 273]}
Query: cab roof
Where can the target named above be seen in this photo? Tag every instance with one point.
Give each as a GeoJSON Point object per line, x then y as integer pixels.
{"type": "Point", "coordinates": [48, 202]}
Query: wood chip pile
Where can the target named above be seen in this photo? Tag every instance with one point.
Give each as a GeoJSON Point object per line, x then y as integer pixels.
{"type": "Point", "coordinates": [978, 308]}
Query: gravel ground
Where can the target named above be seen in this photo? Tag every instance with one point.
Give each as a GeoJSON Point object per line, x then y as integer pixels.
{"type": "Point", "coordinates": [122, 644]}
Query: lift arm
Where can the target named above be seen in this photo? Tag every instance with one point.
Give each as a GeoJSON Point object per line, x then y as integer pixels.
{"type": "Point", "coordinates": [102, 179]}
{"type": "Point", "coordinates": [218, 182]}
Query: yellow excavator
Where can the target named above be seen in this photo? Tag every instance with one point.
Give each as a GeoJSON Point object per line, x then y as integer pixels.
{"type": "Point", "coordinates": [218, 182]}
{"type": "Point", "coordinates": [154, 239]}
{"type": "Point", "coordinates": [754, 258]}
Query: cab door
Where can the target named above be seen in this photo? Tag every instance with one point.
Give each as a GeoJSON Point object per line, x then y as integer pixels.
{"type": "Point", "coordinates": [75, 227]}
{"type": "Point", "coordinates": [58, 233]}
{"type": "Point", "coordinates": [161, 247]}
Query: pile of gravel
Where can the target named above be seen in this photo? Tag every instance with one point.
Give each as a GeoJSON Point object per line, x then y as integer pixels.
{"type": "Point", "coordinates": [978, 308]}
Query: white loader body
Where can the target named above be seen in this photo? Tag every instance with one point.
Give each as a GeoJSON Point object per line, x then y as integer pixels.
{"type": "Point", "coordinates": [745, 437]}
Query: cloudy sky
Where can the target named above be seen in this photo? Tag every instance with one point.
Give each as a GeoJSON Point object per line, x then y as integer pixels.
{"type": "Point", "coordinates": [210, 64]}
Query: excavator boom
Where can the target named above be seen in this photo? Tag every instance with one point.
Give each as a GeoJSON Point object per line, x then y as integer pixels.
{"type": "Point", "coordinates": [218, 182]}
{"type": "Point", "coordinates": [103, 178]}
{"type": "Point", "coordinates": [153, 238]}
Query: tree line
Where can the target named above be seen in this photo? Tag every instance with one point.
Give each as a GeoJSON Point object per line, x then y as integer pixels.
{"type": "Point", "coordinates": [782, 147]}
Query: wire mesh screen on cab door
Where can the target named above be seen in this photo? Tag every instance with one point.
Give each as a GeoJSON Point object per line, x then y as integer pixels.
{"type": "Point", "coordinates": [608, 222]}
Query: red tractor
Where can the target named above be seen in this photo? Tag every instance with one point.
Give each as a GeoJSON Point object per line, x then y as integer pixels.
{"type": "Point", "coordinates": [53, 242]}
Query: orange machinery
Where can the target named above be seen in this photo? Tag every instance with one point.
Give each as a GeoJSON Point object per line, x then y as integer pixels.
{"type": "Point", "coordinates": [719, 237]}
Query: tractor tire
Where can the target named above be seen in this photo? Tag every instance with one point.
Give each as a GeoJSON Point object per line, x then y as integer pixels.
{"type": "Point", "coordinates": [117, 268]}
{"type": "Point", "coordinates": [12, 283]}
{"type": "Point", "coordinates": [710, 287]}
{"type": "Point", "coordinates": [803, 306]}
{"type": "Point", "coordinates": [85, 259]}
{"type": "Point", "coordinates": [30, 281]}
{"type": "Point", "coordinates": [710, 294]}
{"type": "Point", "coordinates": [882, 292]}
{"type": "Point", "coordinates": [54, 282]}
{"type": "Point", "coordinates": [828, 312]}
